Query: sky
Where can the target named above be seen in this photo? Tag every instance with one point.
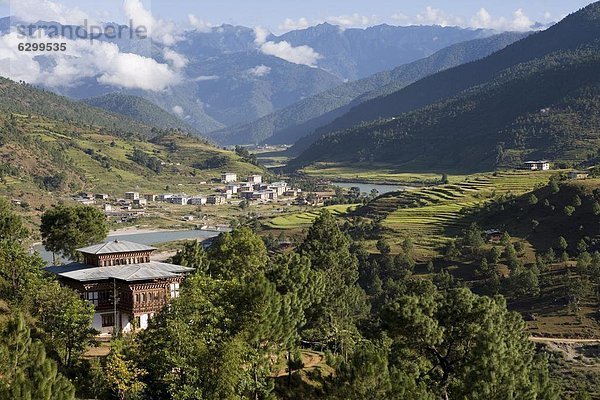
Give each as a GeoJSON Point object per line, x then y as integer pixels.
{"type": "Point", "coordinates": [279, 16]}
{"type": "Point", "coordinates": [165, 20]}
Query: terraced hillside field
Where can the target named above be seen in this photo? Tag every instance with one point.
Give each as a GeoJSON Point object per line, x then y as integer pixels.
{"type": "Point", "coordinates": [305, 219]}
{"type": "Point", "coordinates": [431, 215]}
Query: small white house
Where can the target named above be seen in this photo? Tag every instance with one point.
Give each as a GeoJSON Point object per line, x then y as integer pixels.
{"type": "Point", "coordinates": [255, 179]}
{"type": "Point", "coordinates": [214, 199]}
{"type": "Point", "coordinates": [541, 165]}
{"type": "Point", "coordinates": [232, 188]}
{"type": "Point", "coordinates": [227, 177]}
{"type": "Point", "coordinates": [179, 200]}
{"type": "Point", "coordinates": [197, 201]}
{"type": "Point", "coordinates": [132, 196]}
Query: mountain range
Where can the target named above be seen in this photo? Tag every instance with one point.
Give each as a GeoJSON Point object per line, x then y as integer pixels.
{"type": "Point", "coordinates": [233, 75]}
{"type": "Point", "coordinates": [289, 124]}
{"type": "Point", "coordinates": [537, 98]}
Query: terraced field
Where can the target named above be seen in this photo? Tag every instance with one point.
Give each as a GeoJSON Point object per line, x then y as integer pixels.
{"type": "Point", "coordinates": [430, 216]}
{"type": "Point", "coordinates": [305, 219]}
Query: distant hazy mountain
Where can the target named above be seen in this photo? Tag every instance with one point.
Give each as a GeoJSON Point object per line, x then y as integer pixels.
{"type": "Point", "coordinates": [298, 120]}
{"type": "Point", "coordinates": [537, 98]}
{"type": "Point", "coordinates": [358, 53]}
{"type": "Point", "coordinates": [228, 80]}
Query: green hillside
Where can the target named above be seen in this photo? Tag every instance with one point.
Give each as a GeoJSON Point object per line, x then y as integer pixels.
{"type": "Point", "coordinates": [577, 30]}
{"type": "Point", "coordinates": [293, 122]}
{"type": "Point", "coordinates": [545, 108]}
{"type": "Point", "coordinates": [22, 98]}
{"type": "Point", "coordinates": [546, 214]}
{"type": "Point", "coordinates": [42, 159]}
{"type": "Point", "coordinates": [139, 109]}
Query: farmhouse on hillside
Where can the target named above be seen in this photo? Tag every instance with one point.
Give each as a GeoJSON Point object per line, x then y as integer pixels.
{"type": "Point", "coordinates": [579, 175]}
{"type": "Point", "coordinates": [126, 287]}
{"type": "Point", "coordinates": [541, 165]}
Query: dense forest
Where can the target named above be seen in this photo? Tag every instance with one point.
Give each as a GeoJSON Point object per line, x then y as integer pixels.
{"type": "Point", "coordinates": [245, 314]}
{"type": "Point", "coordinates": [471, 83]}
{"type": "Point", "coordinates": [25, 99]}
{"type": "Point", "coordinates": [546, 108]}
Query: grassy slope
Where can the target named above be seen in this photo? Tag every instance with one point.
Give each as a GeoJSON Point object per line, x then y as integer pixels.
{"type": "Point", "coordinates": [28, 100]}
{"type": "Point", "coordinates": [431, 215]}
{"type": "Point", "coordinates": [45, 147]}
{"type": "Point", "coordinates": [139, 109]}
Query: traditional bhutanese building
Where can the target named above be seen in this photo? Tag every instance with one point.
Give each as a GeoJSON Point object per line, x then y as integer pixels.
{"type": "Point", "coordinates": [123, 271]}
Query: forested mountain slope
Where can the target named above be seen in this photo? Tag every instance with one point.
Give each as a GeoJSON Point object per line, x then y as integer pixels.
{"type": "Point", "coordinates": [289, 124]}
{"type": "Point", "coordinates": [547, 108]}
{"type": "Point", "coordinates": [21, 98]}
{"type": "Point", "coordinates": [138, 109]}
{"type": "Point", "coordinates": [577, 29]}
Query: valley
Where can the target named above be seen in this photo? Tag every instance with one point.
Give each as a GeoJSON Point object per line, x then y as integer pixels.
{"type": "Point", "coordinates": [380, 207]}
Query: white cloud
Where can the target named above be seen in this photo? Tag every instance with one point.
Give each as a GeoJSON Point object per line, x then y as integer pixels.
{"type": "Point", "coordinates": [261, 35]}
{"type": "Point", "coordinates": [99, 60]}
{"type": "Point", "coordinates": [177, 60]}
{"type": "Point", "coordinates": [352, 20]}
{"type": "Point", "coordinates": [401, 18]}
{"type": "Point", "coordinates": [291, 25]}
{"type": "Point", "coordinates": [519, 22]}
{"type": "Point", "coordinates": [46, 10]}
{"type": "Point", "coordinates": [158, 29]}
{"type": "Point", "coordinates": [259, 70]}
{"type": "Point", "coordinates": [199, 24]}
{"type": "Point", "coordinates": [178, 110]}
{"type": "Point", "coordinates": [304, 55]}
{"type": "Point", "coordinates": [206, 78]}
{"type": "Point", "coordinates": [435, 16]}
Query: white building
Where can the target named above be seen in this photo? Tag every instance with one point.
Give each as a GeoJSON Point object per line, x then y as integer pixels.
{"type": "Point", "coordinates": [255, 179]}
{"type": "Point", "coordinates": [165, 197]}
{"type": "Point", "coordinates": [197, 201]}
{"type": "Point", "coordinates": [179, 200]}
{"type": "Point", "coordinates": [541, 165]}
{"type": "Point", "coordinates": [215, 200]}
{"type": "Point", "coordinates": [227, 177]}
{"type": "Point", "coordinates": [232, 188]}
{"type": "Point", "coordinates": [132, 196]}
{"type": "Point", "coordinates": [279, 187]}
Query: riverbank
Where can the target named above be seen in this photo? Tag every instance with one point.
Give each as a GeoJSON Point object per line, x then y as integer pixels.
{"type": "Point", "coordinates": [132, 230]}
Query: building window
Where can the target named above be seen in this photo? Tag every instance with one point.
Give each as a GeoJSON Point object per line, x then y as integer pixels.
{"type": "Point", "coordinates": [174, 288]}
{"type": "Point", "coordinates": [108, 320]}
{"type": "Point", "coordinates": [104, 297]}
{"type": "Point", "coordinates": [92, 297]}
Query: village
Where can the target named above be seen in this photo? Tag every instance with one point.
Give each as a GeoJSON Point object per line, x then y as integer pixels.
{"type": "Point", "coordinates": [230, 189]}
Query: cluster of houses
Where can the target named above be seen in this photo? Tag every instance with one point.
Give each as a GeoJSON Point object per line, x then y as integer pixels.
{"type": "Point", "coordinates": [133, 204]}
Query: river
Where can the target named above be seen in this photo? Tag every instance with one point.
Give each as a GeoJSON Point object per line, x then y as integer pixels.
{"type": "Point", "coordinates": [148, 238]}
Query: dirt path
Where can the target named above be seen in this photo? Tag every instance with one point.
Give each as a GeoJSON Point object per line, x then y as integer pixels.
{"type": "Point", "coordinates": [310, 359]}
{"type": "Point", "coordinates": [562, 340]}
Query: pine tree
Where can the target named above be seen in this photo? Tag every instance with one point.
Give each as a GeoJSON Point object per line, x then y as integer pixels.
{"type": "Point", "coordinates": [25, 371]}
{"type": "Point", "coordinates": [344, 302]}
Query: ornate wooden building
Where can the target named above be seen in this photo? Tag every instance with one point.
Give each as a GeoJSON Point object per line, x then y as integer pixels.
{"type": "Point", "coordinates": [123, 283]}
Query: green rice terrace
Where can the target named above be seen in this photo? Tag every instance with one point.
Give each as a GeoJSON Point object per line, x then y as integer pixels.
{"type": "Point", "coordinates": [433, 214]}
{"type": "Point", "coordinates": [305, 219]}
